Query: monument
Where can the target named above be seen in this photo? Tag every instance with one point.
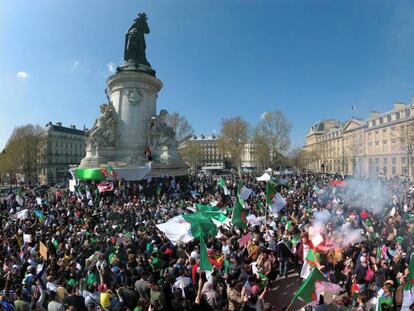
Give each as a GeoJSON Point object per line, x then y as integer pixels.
{"type": "Point", "coordinates": [128, 122]}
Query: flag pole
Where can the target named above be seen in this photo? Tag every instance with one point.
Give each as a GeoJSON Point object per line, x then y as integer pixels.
{"type": "Point", "coordinates": [266, 205]}
{"type": "Point", "coordinates": [289, 306]}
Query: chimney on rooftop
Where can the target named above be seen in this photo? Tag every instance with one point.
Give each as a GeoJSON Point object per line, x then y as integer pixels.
{"type": "Point", "coordinates": [59, 123]}
{"type": "Point", "coordinates": [374, 114]}
{"type": "Point", "coordinates": [399, 106]}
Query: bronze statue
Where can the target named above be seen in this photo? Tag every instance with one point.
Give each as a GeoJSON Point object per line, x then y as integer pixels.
{"type": "Point", "coordinates": [135, 41]}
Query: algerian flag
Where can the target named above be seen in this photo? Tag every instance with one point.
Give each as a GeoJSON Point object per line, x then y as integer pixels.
{"type": "Point", "coordinates": [19, 196]}
{"type": "Point", "coordinates": [186, 227]}
{"type": "Point", "coordinates": [222, 184]}
{"type": "Point", "coordinates": [385, 300]}
{"type": "Point", "coordinates": [313, 258]}
{"type": "Point", "coordinates": [408, 297]}
{"type": "Point", "coordinates": [239, 215]}
{"type": "Point", "coordinates": [275, 201]}
{"type": "Point", "coordinates": [322, 287]}
{"type": "Point", "coordinates": [206, 208]}
{"type": "Point", "coordinates": [108, 171]}
{"type": "Point", "coordinates": [201, 225]}
{"type": "Point", "coordinates": [176, 229]}
{"type": "Point", "coordinates": [245, 193]}
{"type": "Point", "coordinates": [307, 291]}
{"type": "Point", "coordinates": [205, 263]}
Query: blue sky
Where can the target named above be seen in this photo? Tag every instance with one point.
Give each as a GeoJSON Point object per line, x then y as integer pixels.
{"type": "Point", "coordinates": [217, 59]}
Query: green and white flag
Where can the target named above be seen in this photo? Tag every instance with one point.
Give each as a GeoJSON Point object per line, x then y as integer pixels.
{"type": "Point", "coordinates": [189, 226]}
{"type": "Point", "coordinates": [186, 227]}
{"type": "Point", "coordinates": [274, 200]}
{"type": "Point", "coordinates": [222, 184]}
{"type": "Point", "coordinates": [239, 215]}
{"type": "Point", "coordinates": [19, 196]}
{"type": "Point", "coordinates": [307, 291]}
{"type": "Point", "coordinates": [384, 300]}
{"type": "Point", "coordinates": [205, 263]}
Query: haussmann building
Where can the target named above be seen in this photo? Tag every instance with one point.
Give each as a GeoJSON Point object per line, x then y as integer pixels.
{"type": "Point", "coordinates": [381, 145]}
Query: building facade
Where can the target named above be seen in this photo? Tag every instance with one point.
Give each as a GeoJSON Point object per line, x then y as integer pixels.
{"type": "Point", "coordinates": [59, 148]}
{"type": "Point", "coordinates": [212, 159]}
{"type": "Point", "coordinates": [381, 145]}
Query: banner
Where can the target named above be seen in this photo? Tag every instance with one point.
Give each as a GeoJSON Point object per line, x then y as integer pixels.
{"type": "Point", "coordinates": [105, 186]}
{"type": "Point", "coordinates": [43, 250]}
{"type": "Point", "coordinates": [245, 239]}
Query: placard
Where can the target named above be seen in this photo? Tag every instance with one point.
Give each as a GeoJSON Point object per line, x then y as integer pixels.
{"type": "Point", "coordinates": [43, 250]}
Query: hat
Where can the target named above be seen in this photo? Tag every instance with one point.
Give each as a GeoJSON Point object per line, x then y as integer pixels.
{"type": "Point", "coordinates": [389, 282]}
{"type": "Point", "coordinates": [399, 239]}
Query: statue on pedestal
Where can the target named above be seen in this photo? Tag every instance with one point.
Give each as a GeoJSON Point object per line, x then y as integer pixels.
{"type": "Point", "coordinates": [103, 132]}
{"type": "Point", "coordinates": [162, 138]}
{"type": "Point", "coordinates": [135, 41]}
{"type": "Point", "coordinates": [160, 133]}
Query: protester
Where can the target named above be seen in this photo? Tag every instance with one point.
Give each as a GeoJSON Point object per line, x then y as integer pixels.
{"type": "Point", "coordinates": [105, 249]}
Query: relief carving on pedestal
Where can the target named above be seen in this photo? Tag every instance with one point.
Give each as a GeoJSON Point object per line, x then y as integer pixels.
{"type": "Point", "coordinates": [135, 96]}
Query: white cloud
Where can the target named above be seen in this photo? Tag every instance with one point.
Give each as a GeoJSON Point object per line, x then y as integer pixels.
{"type": "Point", "coordinates": [22, 75]}
{"type": "Point", "coordinates": [264, 114]}
{"type": "Point", "coordinates": [75, 64]}
{"type": "Point", "coordinates": [111, 67]}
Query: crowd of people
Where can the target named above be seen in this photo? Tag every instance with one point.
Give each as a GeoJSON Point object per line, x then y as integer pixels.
{"type": "Point", "coordinates": [86, 250]}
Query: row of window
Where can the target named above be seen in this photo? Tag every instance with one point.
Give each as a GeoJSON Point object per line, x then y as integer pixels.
{"type": "Point", "coordinates": [394, 116]}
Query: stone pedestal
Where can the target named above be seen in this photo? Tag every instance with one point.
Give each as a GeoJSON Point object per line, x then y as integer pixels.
{"type": "Point", "coordinates": [134, 96]}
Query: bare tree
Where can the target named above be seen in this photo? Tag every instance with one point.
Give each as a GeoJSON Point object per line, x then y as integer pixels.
{"type": "Point", "coordinates": [234, 135]}
{"type": "Point", "coordinates": [192, 153]}
{"type": "Point", "coordinates": [262, 154]}
{"type": "Point", "coordinates": [20, 153]}
{"type": "Point", "coordinates": [296, 158]}
{"type": "Point", "coordinates": [182, 127]}
{"type": "Point", "coordinates": [274, 129]}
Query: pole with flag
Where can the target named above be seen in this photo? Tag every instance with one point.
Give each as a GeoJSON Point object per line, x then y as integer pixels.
{"type": "Point", "coordinates": [408, 296]}
{"type": "Point", "coordinates": [307, 291]}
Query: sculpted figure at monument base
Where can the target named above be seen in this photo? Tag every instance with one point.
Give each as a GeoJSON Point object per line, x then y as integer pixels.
{"type": "Point", "coordinates": [163, 140]}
